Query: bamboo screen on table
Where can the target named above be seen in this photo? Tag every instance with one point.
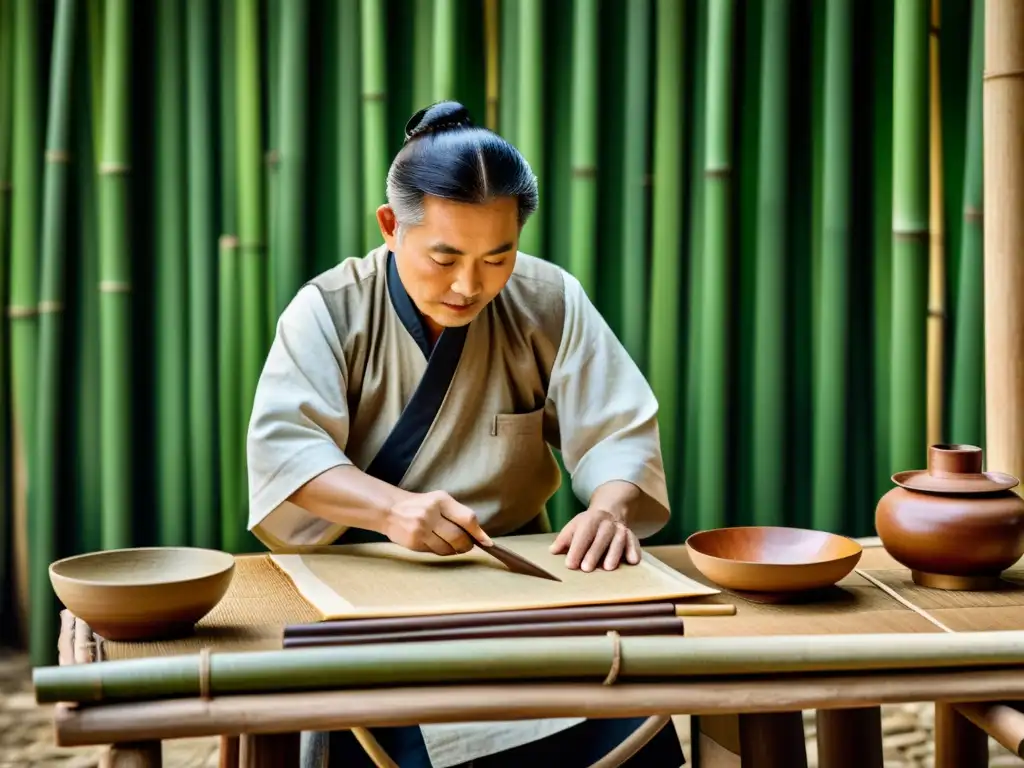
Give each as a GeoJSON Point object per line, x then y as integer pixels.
{"type": "Point", "coordinates": [385, 579]}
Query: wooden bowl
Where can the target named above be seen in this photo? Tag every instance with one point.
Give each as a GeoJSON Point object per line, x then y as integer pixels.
{"type": "Point", "coordinates": [772, 559]}
{"type": "Point", "coordinates": [145, 593]}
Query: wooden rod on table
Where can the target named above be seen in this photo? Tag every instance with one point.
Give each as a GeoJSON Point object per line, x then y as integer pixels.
{"type": "Point", "coordinates": [1002, 722]}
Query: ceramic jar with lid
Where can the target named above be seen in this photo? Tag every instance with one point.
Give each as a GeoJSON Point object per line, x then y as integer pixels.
{"type": "Point", "coordinates": [953, 525]}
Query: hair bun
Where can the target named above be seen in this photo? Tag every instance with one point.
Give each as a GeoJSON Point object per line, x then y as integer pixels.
{"type": "Point", "coordinates": [443, 115]}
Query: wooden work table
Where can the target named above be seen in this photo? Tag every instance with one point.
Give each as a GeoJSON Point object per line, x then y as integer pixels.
{"type": "Point", "coordinates": [738, 721]}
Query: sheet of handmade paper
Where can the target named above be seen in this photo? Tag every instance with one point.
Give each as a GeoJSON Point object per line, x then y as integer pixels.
{"type": "Point", "coordinates": [388, 580]}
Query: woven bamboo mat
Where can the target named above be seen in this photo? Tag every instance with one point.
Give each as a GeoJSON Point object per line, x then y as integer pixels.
{"type": "Point", "coordinates": [261, 601]}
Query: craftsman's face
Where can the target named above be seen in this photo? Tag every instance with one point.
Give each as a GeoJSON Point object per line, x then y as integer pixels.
{"type": "Point", "coordinates": [458, 259]}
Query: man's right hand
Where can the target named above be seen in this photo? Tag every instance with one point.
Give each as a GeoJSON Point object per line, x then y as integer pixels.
{"type": "Point", "coordinates": [433, 522]}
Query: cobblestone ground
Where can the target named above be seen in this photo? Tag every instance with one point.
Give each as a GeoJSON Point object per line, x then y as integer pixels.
{"type": "Point", "coordinates": [26, 738]}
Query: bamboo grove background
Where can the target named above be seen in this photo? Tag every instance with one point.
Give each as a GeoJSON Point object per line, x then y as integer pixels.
{"type": "Point", "coordinates": [775, 203]}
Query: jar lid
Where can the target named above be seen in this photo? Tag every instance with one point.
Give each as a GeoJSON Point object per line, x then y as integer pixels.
{"type": "Point", "coordinates": [954, 469]}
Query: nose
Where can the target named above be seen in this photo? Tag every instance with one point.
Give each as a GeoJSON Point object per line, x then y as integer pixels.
{"type": "Point", "coordinates": [467, 282]}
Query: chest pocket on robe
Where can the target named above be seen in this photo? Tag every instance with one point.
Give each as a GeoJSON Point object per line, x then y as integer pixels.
{"type": "Point", "coordinates": [524, 470]}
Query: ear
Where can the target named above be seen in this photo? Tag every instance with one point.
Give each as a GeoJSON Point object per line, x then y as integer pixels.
{"type": "Point", "coordinates": [388, 224]}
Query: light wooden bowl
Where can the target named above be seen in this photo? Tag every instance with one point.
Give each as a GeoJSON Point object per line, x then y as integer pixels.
{"type": "Point", "coordinates": [772, 559]}
{"type": "Point", "coordinates": [146, 593]}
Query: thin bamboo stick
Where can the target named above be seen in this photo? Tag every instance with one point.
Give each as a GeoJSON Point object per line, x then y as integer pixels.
{"type": "Point", "coordinates": [46, 477]}
{"type": "Point", "coordinates": [203, 446]}
{"type": "Point", "coordinates": [967, 401]}
{"type": "Point", "coordinates": [937, 242]}
{"type": "Point", "coordinates": [1004, 235]}
{"type": "Point", "coordinates": [669, 173]}
{"type": "Point", "coordinates": [908, 431]}
{"type": "Point", "coordinates": [518, 659]}
{"type": "Point", "coordinates": [229, 357]}
{"type": "Point", "coordinates": [713, 414]}
{"type": "Point", "coordinates": [769, 406]}
{"type": "Point", "coordinates": [171, 300]}
{"type": "Point", "coordinates": [492, 51]}
{"type": "Point", "coordinates": [375, 124]}
{"type": "Point", "coordinates": [831, 363]}
{"type": "Point", "coordinates": [6, 120]}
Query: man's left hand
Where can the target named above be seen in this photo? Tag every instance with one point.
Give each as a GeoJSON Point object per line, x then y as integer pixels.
{"type": "Point", "coordinates": [595, 537]}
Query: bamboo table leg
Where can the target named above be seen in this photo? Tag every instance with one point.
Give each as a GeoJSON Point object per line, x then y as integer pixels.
{"type": "Point", "coordinates": [269, 750]}
{"type": "Point", "coordinates": [766, 740]}
{"type": "Point", "coordinates": [143, 754]}
{"type": "Point", "coordinates": [229, 752]}
{"type": "Point", "coordinates": [850, 738]}
{"type": "Point", "coordinates": [958, 742]}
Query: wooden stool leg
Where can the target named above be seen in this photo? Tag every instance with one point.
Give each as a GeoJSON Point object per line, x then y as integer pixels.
{"type": "Point", "coordinates": [715, 741]}
{"type": "Point", "coordinates": [269, 750]}
{"type": "Point", "coordinates": [229, 751]}
{"type": "Point", "coordinates": [850, 738]}
{"type": "Point", "coordinates": [142, 754]}
{"type": "Point", "coordinates": [773, 740]}
{"type": "Point", "coordinates": [958, 741]}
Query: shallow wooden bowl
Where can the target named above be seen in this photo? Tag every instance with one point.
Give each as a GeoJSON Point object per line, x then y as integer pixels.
{"type": "Point", "coordinates": [143, 594]}
{"type": "Point", "coordinates": [772, 559]}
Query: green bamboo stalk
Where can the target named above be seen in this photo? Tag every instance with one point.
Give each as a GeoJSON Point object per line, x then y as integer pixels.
{"type": "Point", "coordinates": [87, 470]}
{"type": "Point", "coordinates": [634, 252]}
{"type": "Point", "coordinates": [375, 127]}
{"type": "Point", "coordinates": [45, 463]}
{"type": "Point", "coordinates": [666, 287]}
{"type": "Point", "coordinates": [272, 31]}
{"type": "Point", "coordinates": [252, 243]}
{"type": "Point", "coordinates": [327, 667]}
{"type": "Point", "coordinates": [714, 367]}
{"type": "Point", "coordinates": [882, 42]}
{"type": "Point", "coordinates": [830, 391]}
{"type": "Point", "coordinates": [910, 235]}
{"type": "Point", "coordinates": [290, 250]}
{"type": "Point", "coordinates": [228, 120]}
{"type": "Point", "coordinates": [24, 278]}
{"type": "Point", "coordinates": [171, 391]}
{"type": "Point", "coordinates": [6, 120]}
{"type": "Point", "coordinates": [229, 359]}
{"type": "Point", "coordinates": [967, 406]}
{"type": "Point", "coordinates": [508, 118]}
{"type": "Point", "coordinates": [530, 127]}
{"type": "Point", "coordinates": [768, 444]}
{"type": "Point", "coordinates": [202, 276]}
{"type": "Point", "coordinates": [115, 283]}
{"type": "Point", "coordinates": [423, 75]}
{"type": "Point", "coordinates": [350, 153]}
{"type": "Point", "coordinates": [96, 34]}
{"type": "Point", "coordinates": [583, 243]}
{"type": "Point", "coordinates": [445, 49]}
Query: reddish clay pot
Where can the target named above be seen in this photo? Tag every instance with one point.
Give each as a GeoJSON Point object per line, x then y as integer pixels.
{"type": "Point", "coordinates": [952, 525]}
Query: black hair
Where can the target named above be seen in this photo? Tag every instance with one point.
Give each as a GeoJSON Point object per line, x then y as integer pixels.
{"type": "Point", "coordinates": [445, 155]}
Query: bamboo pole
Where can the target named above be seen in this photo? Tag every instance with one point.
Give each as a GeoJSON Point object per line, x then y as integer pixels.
{"type": "Point", "coordinates": [508, 118]}
{"type": "Point", "coordinates": [666, 284]}
{"type": "Point", "coordinates": [46, 465]}
{"type": "Point", "coordinates": [529, 131]}
{"type": "Point", "coordinates": [270, 32]}
{"type": "Point", "coordinates": [445, 49]}
{"type": "Point", "coordinates": [6, 120]}
{"type": "Point", "coordinates": [375, 125]}
{"type": "Point", "coordinates": [171, 295]}
{"type": "Point", "coordinates": [634, 251]}
{"type": "Point", "coordinates": [422, 55]}
{"type": "Point", "coordinates": [229, 357]}
{"type": "Point", "coordinates": [937, 241]}
{"type": "Point", "coordinates": [548, 658]}
{"type": "Point", "coordinates": [967, 400]}
{"type": "Point", "coordinates": [291, 242]}
{"type": "Point", "coordinates": [769, 406]}
{"type": "Point", "coordinates": [908, 433]}
{"type": "Point", "coordinates": [713, 413]}
{"type": "Point", "coordinates": [492, 52]}
{"type": "Point", "coordinates": [24, 279]}
{"type": "Point", "coordinates": [831, 361]}
{"type": "Point", "coordinates": [1004, 235]}
{"type": "Point", "coordinates": [350, 146]}
{"type": "Point", "coordinates": [584, 119]}
{"type": "Point", "coordinates": [203, 442]}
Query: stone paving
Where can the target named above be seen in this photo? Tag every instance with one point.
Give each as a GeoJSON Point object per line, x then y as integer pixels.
{"type": "Point", "coordinates": [26, 738]}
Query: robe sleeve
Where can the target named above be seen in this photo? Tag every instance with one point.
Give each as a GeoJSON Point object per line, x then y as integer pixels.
{"type": "Point", "coordinates": [299, 424]}
{"type": "Point", "coordinates": [606, 412]}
